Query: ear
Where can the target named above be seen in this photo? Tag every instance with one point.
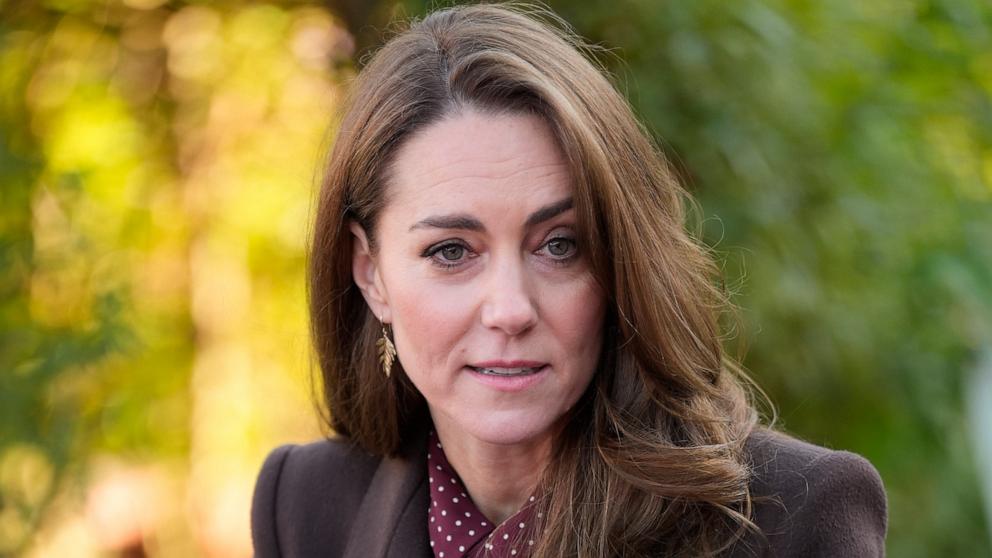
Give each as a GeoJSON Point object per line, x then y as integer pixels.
{"type": "Point", "coordinates": [365, 272]}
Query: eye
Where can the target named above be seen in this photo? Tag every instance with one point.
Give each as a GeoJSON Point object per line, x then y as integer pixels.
{"type": "Point", "coordinates": [447, 255]}
{"type": "Point", "coordinates": [559, 246]}
{"type": "Point", "coordinates": [452, 251]}
{"type": "Point", "coordinates": [562, 249]}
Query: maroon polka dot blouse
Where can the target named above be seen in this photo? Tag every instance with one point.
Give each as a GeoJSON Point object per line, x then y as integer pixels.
{"type": "Point", "coordinates": [457, 527]}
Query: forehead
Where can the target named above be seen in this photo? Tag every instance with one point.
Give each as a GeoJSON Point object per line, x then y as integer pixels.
{"type": "Point", "coordinates": [478, 159]}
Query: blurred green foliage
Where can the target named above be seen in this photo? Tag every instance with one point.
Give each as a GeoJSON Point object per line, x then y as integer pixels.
{"type": "Point", "coordinates": [156, 166]}
{"type": "Point", "coordinates": [842, 154]}
{"type": "Point", "coordinates": [155, 171]}
{"type": "Point", "coordinates": [83, 369]}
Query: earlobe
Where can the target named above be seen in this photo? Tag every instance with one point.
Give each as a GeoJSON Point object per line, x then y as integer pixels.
{"type": "Point", "coordinates": [365, 272]}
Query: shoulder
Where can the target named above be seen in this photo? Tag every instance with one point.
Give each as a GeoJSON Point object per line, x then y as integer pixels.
{"type": "Point", "coordinates": [291, 496]}
{"type": "Point", "coordinates": [813, 501]}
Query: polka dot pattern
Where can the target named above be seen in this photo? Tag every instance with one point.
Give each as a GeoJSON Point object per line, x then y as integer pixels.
{"type": "Point", "coordinates": [458, 529]}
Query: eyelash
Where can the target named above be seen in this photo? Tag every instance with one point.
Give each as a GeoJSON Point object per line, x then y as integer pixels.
{"type": "Point", "coordinates": [558, 262]}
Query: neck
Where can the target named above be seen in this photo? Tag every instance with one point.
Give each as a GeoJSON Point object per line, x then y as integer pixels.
{"type": "Point", "coordinates": [499, 477]}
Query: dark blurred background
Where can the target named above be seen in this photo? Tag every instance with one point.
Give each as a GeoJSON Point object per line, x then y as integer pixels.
{"type": "Point", "coordinates": [157, 168]}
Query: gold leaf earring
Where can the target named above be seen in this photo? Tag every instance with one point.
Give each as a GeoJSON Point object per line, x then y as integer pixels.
{"type": "Point", "coordinates": [387, 351]}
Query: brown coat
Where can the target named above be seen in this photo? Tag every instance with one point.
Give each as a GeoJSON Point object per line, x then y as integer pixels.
{"type": "Point", "coordinates": [328, 498]}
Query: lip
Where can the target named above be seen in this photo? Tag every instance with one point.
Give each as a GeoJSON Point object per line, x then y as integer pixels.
{"type": "Point", "coordinates": [510, 383]}
{"type": "Point", "coordinates": [508, 364]}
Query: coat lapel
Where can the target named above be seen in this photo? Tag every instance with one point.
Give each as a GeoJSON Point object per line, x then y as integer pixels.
{"type": "Point", "coordinates": [392, 519]}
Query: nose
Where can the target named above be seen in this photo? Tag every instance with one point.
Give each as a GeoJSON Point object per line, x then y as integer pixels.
{"type": "Point", "coordinates": [509, 304]}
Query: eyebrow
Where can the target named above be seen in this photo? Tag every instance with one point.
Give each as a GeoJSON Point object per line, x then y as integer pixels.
{"type": "Point", "coordinates": [467, 222]}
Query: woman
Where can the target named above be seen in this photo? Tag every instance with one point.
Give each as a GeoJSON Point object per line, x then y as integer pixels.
{"type": "Point", "coordinates": [519, 342]}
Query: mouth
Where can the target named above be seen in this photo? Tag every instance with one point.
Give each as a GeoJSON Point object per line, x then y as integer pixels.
{"type": "Point", "coordinates": [510, 376]}
{"type": "Point", "coordinates": [508, 372]}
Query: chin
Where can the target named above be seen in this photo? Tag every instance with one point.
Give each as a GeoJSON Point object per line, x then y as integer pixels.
{"type": "Point", "coordinates": [509, 427]}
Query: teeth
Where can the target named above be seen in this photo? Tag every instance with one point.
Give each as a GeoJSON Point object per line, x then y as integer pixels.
{"type": "Point", "coordinates": [507, 371]}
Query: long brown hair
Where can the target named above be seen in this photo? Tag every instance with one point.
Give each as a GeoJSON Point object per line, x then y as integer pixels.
{"type": "Point", "coordinates": [653, 458]}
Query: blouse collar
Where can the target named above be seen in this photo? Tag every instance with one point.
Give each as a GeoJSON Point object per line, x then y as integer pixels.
{"type": "Point", "coordinates": [456, 526]}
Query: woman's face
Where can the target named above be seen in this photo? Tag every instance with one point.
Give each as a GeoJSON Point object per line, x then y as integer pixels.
{"type": "Point", "coordinates": [496, 317]}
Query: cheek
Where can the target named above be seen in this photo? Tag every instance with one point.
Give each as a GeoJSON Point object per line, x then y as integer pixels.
{"type": "Point", "coordinates": [577, 313]}
{"type": "Point", "coordinates": [428, 323]}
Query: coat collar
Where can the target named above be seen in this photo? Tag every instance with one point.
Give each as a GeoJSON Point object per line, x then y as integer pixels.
{"type": "Point", "coordinates": [392, 519]}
